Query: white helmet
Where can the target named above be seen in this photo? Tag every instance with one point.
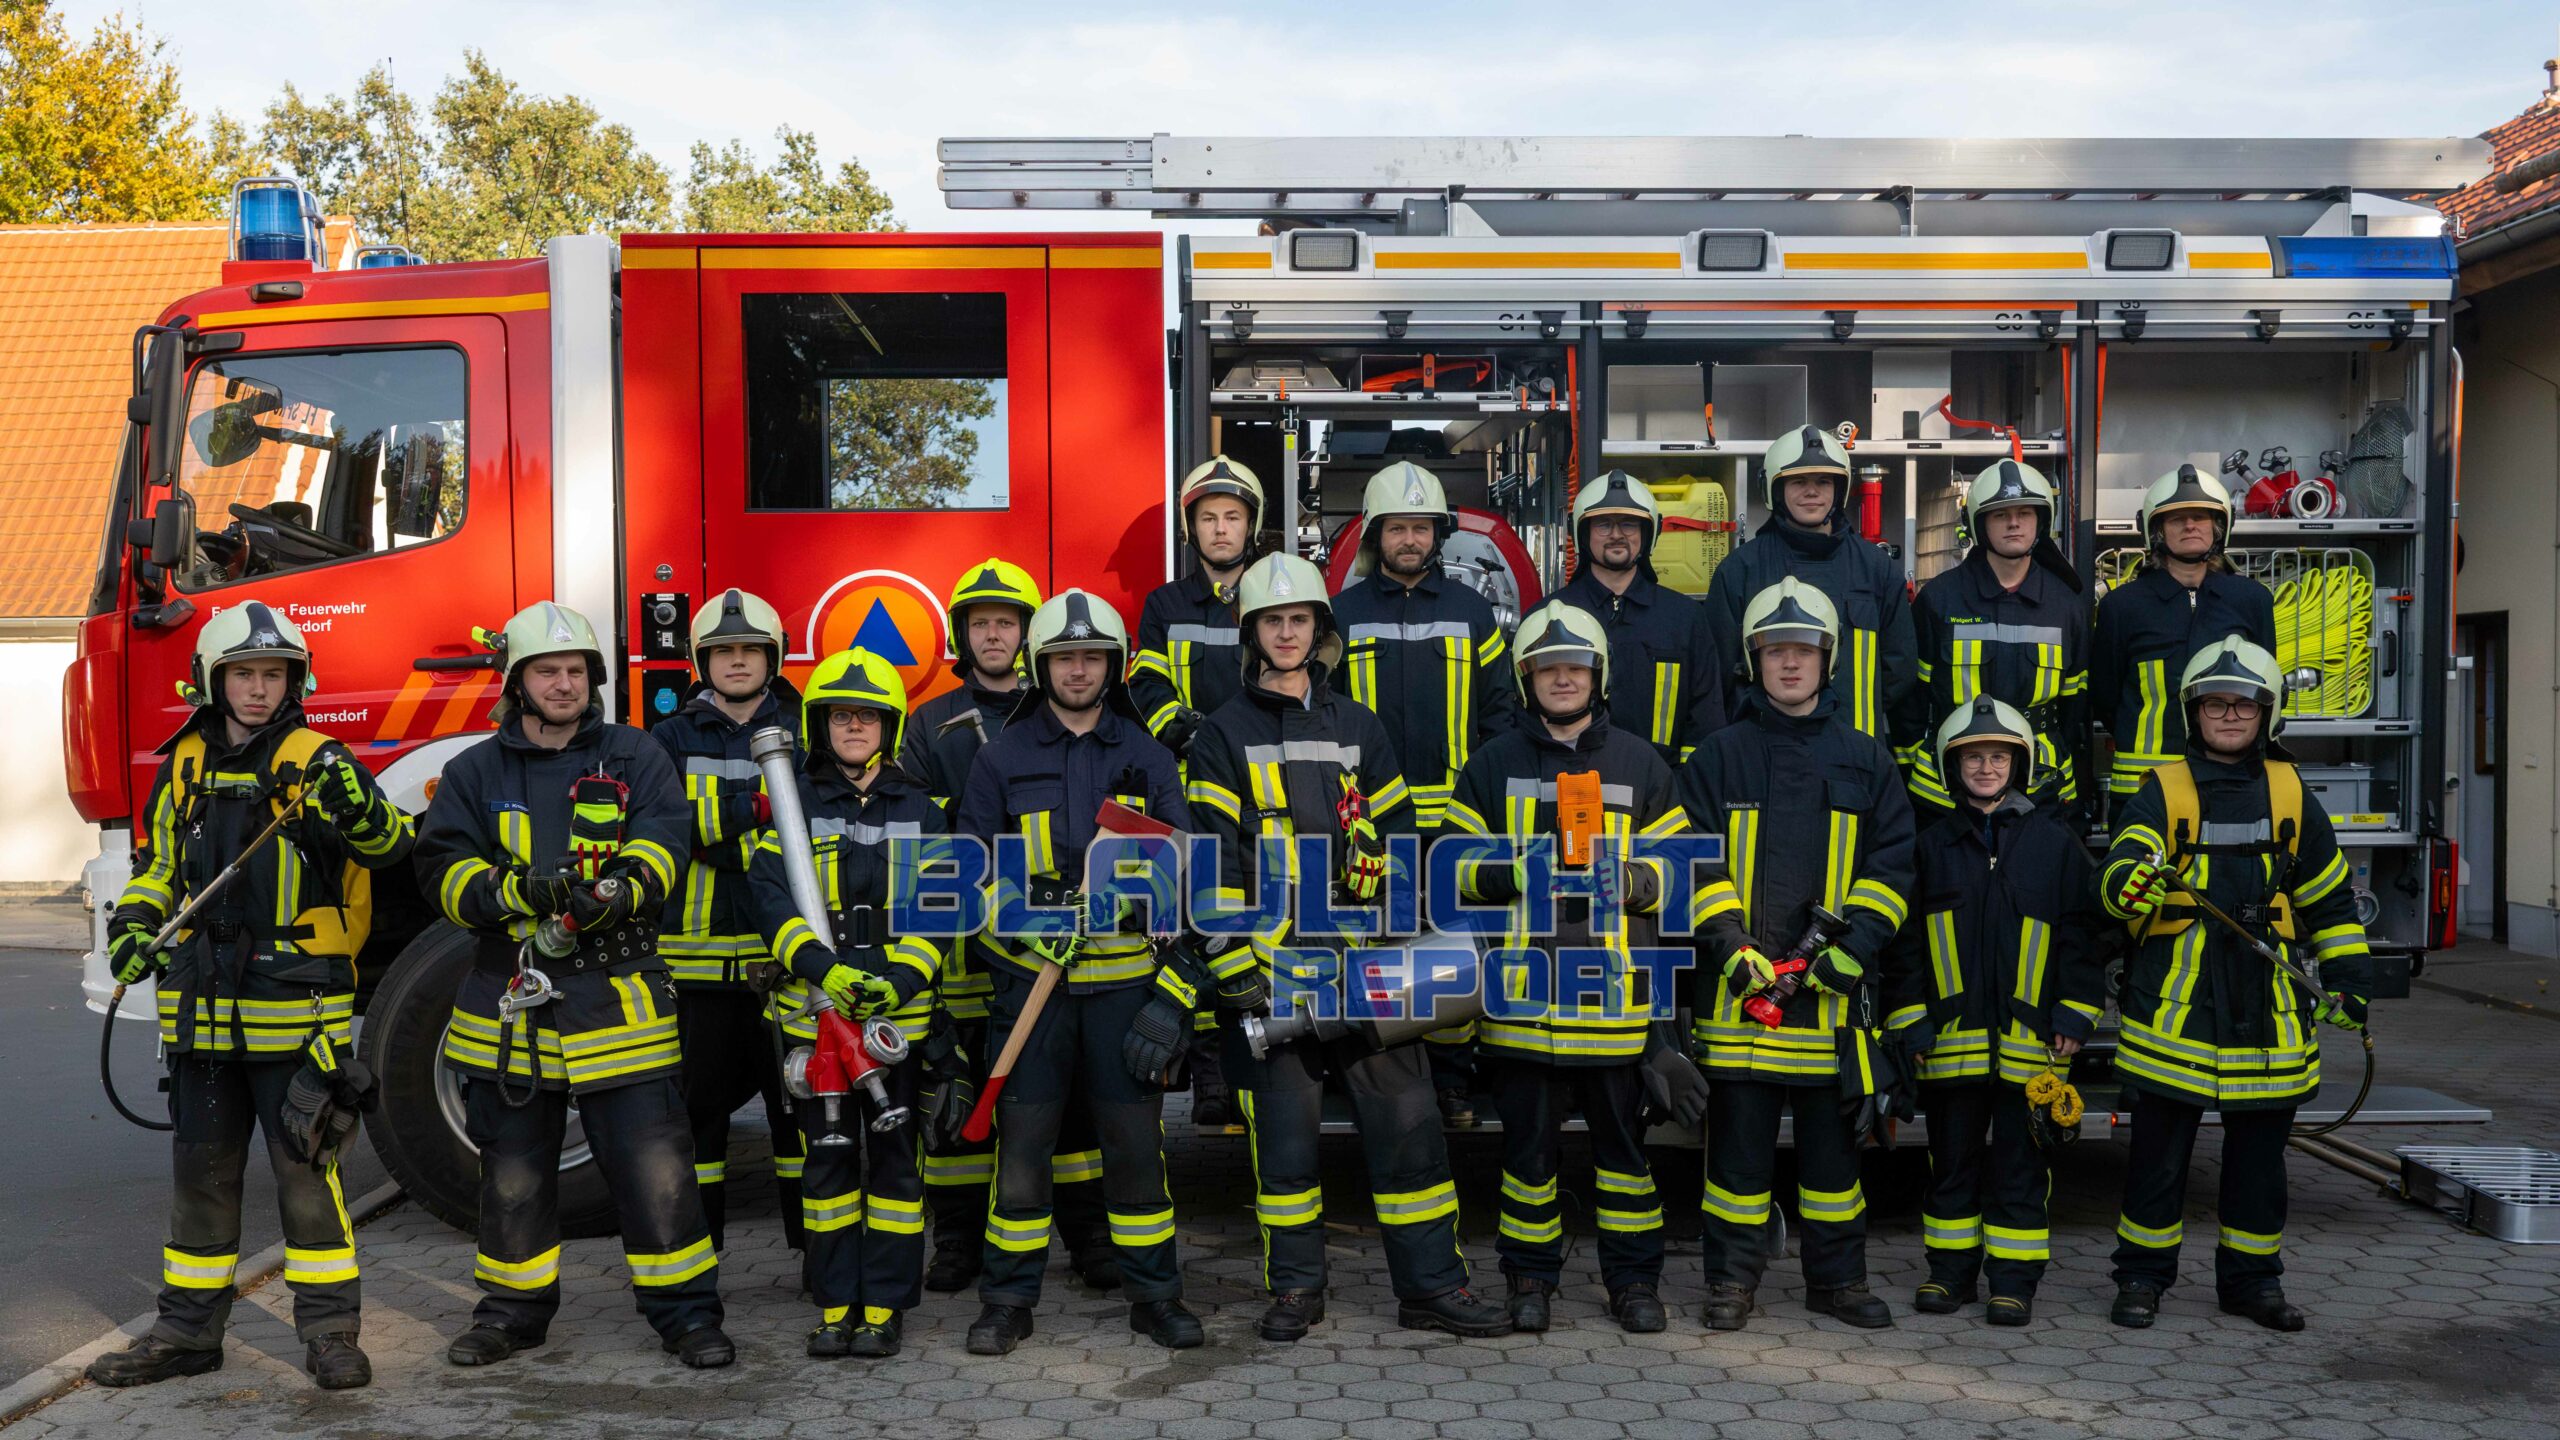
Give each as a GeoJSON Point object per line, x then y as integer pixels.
{"type": "Point", "coordinates": [1274, 582]}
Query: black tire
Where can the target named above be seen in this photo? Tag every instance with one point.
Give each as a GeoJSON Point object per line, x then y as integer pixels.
{"type": "Point", "coordinates": [419, 1142]}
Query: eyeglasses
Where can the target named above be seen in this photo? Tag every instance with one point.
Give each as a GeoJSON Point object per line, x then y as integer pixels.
{"type": "Point", "coordinates": [2220, 708]}
{"type": "Point", "coordinates": [1984, 758]}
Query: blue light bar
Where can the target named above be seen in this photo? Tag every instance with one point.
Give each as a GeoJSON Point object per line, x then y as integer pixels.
{"type": "Point", "coordinates": [274, 218]}
{"type": "Point", "coordinates": [386, 257]}
{"type": "Point", "coordinates": [2356, 257]}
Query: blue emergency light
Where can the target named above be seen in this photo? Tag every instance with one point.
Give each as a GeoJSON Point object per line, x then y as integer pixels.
{"type": "Point", "coordinates": [2358, 257]}
{"type": "Point", "coordinates": [274, 218]}
{"type": "Point", "coordinates": [386, 257]}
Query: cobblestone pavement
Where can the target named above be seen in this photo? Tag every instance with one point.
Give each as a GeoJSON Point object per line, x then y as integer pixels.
{"type": "Point", "coordinates": [2417, 1329]}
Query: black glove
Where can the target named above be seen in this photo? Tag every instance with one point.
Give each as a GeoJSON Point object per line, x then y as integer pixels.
{"type": "Point", "coordinates": [1160, 1032]}
{"type": "Point", "coordinates": [950, 1086]}
{"type": "Point", "coordinates": [322, 1102]}
{"type": "Point", "coordinates": [547, 892]}
{"type": "Point", "coordinates": [1178, 729]}
{"type": "Point", "coordinates": [343, 792]}
{"type": "Point", "coordinates": [612, 901]}
{"type": "Point", "coordinates": [1672, 1085]}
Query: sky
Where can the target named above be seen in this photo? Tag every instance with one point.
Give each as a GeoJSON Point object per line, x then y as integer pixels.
{"type": "Point", "coordinates": [882, 83]}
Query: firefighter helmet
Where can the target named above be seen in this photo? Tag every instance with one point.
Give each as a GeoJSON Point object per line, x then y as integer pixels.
{"type": "Point", "coordinates": [738, 618]}
{"type": "Point", "coordinates": [545, 627]}
{"type": "Point", "coordinates": [855, 680]}
{"type": "Point", "coordinates": [1617, 493]}
{"type": "Point", "coordinates": [2241, 669]}
{"type": "Point", "coordinates": [2185, 488]}
{"type": "Point", "coordinates": [1275, 582]}
{"type": "Point", "coordinates": [1219, 475]}
{"type": "Point", "coordinates": [1805, 450]}
{"type": "Point", "coordinates": [2007, 485]}
{"type": "Point", "coordinates": [1988, 722]}
{"type": "Point", "coordinates": [1075, 620]}
{"type": "Point", "coordinates": [1402, 489]}
{"type": "Point", "coordinates": [250, 630]}
{"type": "Point", "coordinates": [989, 582]}
{"type": "Point", "coordinates": [1790, 612]}
{"type": "Point", "coordinates": [1561, 633]}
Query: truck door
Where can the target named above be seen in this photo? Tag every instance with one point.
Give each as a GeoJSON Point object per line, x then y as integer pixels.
{"type": "Point", "coordinates": [358, 486]}
{"type": "Point", "coordinates": [875, 417]}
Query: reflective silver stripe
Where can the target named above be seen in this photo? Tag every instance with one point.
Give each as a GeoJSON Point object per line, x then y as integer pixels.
{"type": "Point", "coordinates": [1313, 751]}
{"type": "Point", "coordinates": [2232, 832]}
{"type": "Point", "coordinates": [2009, 634]}
{"type": "Point", "coordinates": [1623, 796]}
{"type": "Point", "coordinates": [1202, 634]}
{"type": "Point", "coordinates": [725, 769]}
{"type": "Point", "coordinates": [1424, 630]}
{"type": "Point", "coordinates": [863, 832]}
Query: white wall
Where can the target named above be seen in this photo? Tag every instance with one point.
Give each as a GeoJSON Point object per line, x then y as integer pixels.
{"type": "Point", "coordinates": [41, 837]}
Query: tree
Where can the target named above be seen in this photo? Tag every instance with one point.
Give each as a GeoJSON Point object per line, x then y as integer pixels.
{"type": "Point", "coordinates": [97, 132]}
{"type": "Point", "coordinates": [726, 193]}
{"type": "Point", "coordinates": [902, 444]}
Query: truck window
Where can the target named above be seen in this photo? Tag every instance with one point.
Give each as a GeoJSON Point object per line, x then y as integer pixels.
{"type": "Point", "coordinates": [295, 460]}
{"type": "Point", "coordinates": [876, 402]}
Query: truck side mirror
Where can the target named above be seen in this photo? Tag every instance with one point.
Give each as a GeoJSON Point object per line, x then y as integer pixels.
{"type": "Point", "coordinates": [164, 392]}
{"type": "Point", "coordinates": [173, 531]}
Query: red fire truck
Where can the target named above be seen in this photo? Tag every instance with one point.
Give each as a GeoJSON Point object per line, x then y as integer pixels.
{"type": "Point", "coordinates": [394, 455]}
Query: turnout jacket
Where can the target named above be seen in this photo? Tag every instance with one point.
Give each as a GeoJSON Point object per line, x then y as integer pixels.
{"type": "Point", "coordinates": [2001, 957]}
{"type": "Point", "coordinates": [1428, 659]}
{"type": "Point", "coordinates": [1664, 683]}
{"type": "Point", "coordinates": [867, 846]}
{"type": "Point", "coordinates": [1812, 811]}
{"type": "Point", "coordinates": [1190, 652]}
{"type": "Point", "coordinates": [709, 935]}
{"type": "Point", "coordinates": [1878, 665]}
{"type": "Point", "coordinates": [1045, 783]}
{"type": "Point", "coordinates": [2028, 647]}
{"type": "Point", "coordinates": [1509, 788]}
{"type": "Point", "coordinates": [2206, 1020]}
{"type": "Point", "coordinates": [270, 961]}
{"type": "Point", "coordinates": [1268, 764]}
{"type": "Point", "coordinates": [942, 742]}
{"type": "Point", "coordinates": [2149, 627]}
{"type": "Point", "coordinates": [503, 811]}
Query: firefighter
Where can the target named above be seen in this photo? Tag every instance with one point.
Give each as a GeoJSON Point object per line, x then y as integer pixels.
{"type": "Point", "coordinates": [1425, 652]}
{"type": "Point", "coordinates": [2009, 622]}
{"type": "Point", "coordinates": [1804, 480]}
{"type": "Point", "coordinates": [1669, 688]}
{"type": "Point", "coordinates": [1292, 756]}
{"type": "Point", "coordinates": [1813, 813]}
{"type": "Point", "coordinates": [863, 1204]}
{"type": "Point", "coordinates": [1040, 785]}
{"type": "Point", "coordinates": [257, 994]}
{"type": "Point", "coordinates": [989, 612]}
{"type": "Point", "coordinates": [2209, 1022]}
{"type": "Point", "coordinates": [713, 953]}
{"type": "Point", "coordinates": [563, 817]}
{"type": "Point", "coordinates": [1606, 1055]}
{"type": "Point", "coordinates": [2183, 600]}
{"type": "Point", "coordinates": [2000, 983]}
{"type": "Point", "coordinates": [1189, 663]}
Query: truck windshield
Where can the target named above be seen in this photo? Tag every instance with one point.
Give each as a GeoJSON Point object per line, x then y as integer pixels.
{"type": "Point", "coordinates": [295, 460]}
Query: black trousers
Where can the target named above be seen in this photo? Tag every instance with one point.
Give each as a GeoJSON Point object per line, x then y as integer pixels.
{"type": "Point", "coordinates": [640, 1139]}
{"type": "Point", "coordinates": [1742, 1166]}
{"type": "Point", "coordinates": [729, 1060]}
{"type": "Point", "coordinates": [216, 1103]}
{"type": "Point", "coordinates": [1073, 1057]}
{"type": "Point", "coordinates": [960, 1176]}
{"type": "Point", "coordinates": [1400, 1135]}
{"type": "Point", "coordinates": [1988, 1184]}
{"type": "Point", "coordinates": [1532, 1100]}
{"type": "Point", "coordinates": [2247, 1258]}
{"type": "Point", "coordinates": [866, 1231]}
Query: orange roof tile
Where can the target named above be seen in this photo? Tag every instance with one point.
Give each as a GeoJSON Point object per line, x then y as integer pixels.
{"type": "Point", "coordinates": [2479, 207]}
{"type": "Point", "coordinates": [71, 297]}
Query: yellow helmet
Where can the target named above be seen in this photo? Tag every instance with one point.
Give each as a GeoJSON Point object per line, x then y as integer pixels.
{"type": "Point", "coordinates": [989, 582]}
{"type": "Point", "coordinates": [854, 680]}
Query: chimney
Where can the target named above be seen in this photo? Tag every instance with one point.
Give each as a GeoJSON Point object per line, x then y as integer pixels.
{"type": "Point", "coordinates": [2551, 82]}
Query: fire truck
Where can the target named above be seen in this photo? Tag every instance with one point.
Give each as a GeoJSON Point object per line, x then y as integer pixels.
{"type": "Point", "coordinates": [397, 453]}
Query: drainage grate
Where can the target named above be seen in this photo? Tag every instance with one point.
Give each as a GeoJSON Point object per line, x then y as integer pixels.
{"type": "Point", "coordinates": [2503, 1191]}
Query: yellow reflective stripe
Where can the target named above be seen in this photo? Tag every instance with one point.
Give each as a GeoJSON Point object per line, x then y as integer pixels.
{"type": "Point", "coordinates": [1962, 1233]}
{"type": "Point", "coordinates": [2330, 877]}
{"type": "Point", "coordinates": [660, 861]}
{"type": "Point", "coordinates": [1628, 1221]}
{"type": "Point", "coordinates": [1298, 1207]}
{"type": "Point", "coordinates": [538, 1273]}
{"type": "Point", "coordinates": [1946, 968]}
{"type": "Point", "coordinates": [2005, 1243]}
{"type": "Point", "coordinates": [1736, 1208]}
{"type": "Point", "coordinates": [2150, 727]}
{"type": "Point", "coordinates": [1151, 1227]}
{"type": "Point", "coordinates": [1020, 1237]}
{"type": "Point", "coordinates": [671, 1267]}
{"type": "Point", "coordinates": [2340, 942]}
{"type": "Point", "coordinates": [2167, 1237]}
{"type": "Point", "coordinates": [714, 1172]}
{"type": "Point", "coordinates": [1666, 701]}
{"type": "Point", "coordinates": [1881, 898]}
{"type": "Point", "coordinates": [1457, 697]}
{"type": "Point", "coordinates": [2250, 1242]}
{"type": "Point", "coordinates": [1832, 1205]}
{"type": "Point", "coordinates": [1415, 1207]}
{"type": "Point", "coordinates": [1531, 1232]}
{"type": "Point", "coordinates": [1075, 1166]}
{"type": "Point", "coordinates": [1741, 839]}
{"type": "Point", "coordinates": [2035, 938]}
{"type": "Point", "coordinates": [896, 1217]}
{"type": "Point", "coordinates": [457, 878]}
{"type": "Point", "coordinates": [187, 1271]}
{"type": "Point", "coordinates": [1842, 863]}
{"type": "Point", "coordinates": [1527, 1192]}
{"type": "Point", "coordinates": [1863, 696]}
{"type": "Point", "coordinates": [332, 1266]}
{"type": "Point", "coordinates": [821, 1214]}
{"type": "Point", "coordinates": [1207, 795]}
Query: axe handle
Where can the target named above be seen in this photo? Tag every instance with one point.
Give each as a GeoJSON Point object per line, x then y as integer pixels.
{"type": "Point", "coordinates": [982, 1119]}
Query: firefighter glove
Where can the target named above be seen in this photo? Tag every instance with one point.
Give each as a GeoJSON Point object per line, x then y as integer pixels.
{"type": "Point", "coordinates": [607, 903]}
{"type": "Point", "coordinates": [2139, 892]}
{"type": "Point", "coordinates": [950, 1089]}
{"type": "Point", "coordinates": [1672, 1085]}
{"type": "Point", "coordinates": [2342, 1009]}
{"type": "Point", "coordinates": [1364, 860]}
{"type": "Point", "coordinates": [1178, 729]}
{"type": "Point", "coordinates": [322, 1103]}
{"type": "Point", "coordinates": [1155, 1037]}
{"type": "Point", "coordinates": [857, 992]}
{"type": "Point", "coordinates": [541, 895]}
{"type": "Point", "coordinates": [1749, 972]}
{"type": "Point", "coordinates": [1248, 988]}
{"type": "Point", "coordinates": [1836, 970]}
{"type": "Point", "coordinates": [1061, 948]}
{"type": "Point", "coordinates": [129, 952]}
{"type": "Point", "coordinates": [344, 793]}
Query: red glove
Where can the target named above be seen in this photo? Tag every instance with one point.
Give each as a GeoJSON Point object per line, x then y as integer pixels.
{"type": "Point", "coordinates": [764, 808]}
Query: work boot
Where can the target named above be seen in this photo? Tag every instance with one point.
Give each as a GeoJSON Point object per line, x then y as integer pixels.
{"type": "Point", "coordinates": [487, 1345]}
{"type": "Point", "coordinates": [1292, 1314]}
{"type": "Point", "coordinates": [703, 1347]}
{"type": "Point", "coordinates": [1850, 1305]}
{"type": "Point", "coordinates": [150, 1360]}
{"type": "Point", "coordinates": [2137, 1305]}
{"type": "Point", "coordinates": [1212, 1107]}
{"type": "Point", "coordinates": [1728, 1307]}
{"type": "Point", "coordinates": [336, 1363]}
{"type": "Point", "coordinates": [1529, 1304]}
{"type": "Point", "coordinates": [1456, 1110]}
{"type": "Point", "coordinates": [832, 1340]}
{"type": "Point", "coordinates": [1460, 1312]}
{"type": "Point", "coordinates": [999, 1328]}
{"type": "Point", "coordinates": [956, 1264]}
{"type": "Point", "coordinates": [877, 1339]}
{"type": "Point", "coordinates": [1943, 1297]}
{"type": "Point", "coordinates": [1166, 1323]}
{"type": "Point", "coordinates": [1638, 1309]}
{"type": "Point", "coordinates": [2010, 1310]}
{"type": "Point", "coordinates": [2268, 1307]}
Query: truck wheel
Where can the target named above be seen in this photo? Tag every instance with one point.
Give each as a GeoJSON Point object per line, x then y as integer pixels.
{"type": "Point", "coordinates": [418, 1129]}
